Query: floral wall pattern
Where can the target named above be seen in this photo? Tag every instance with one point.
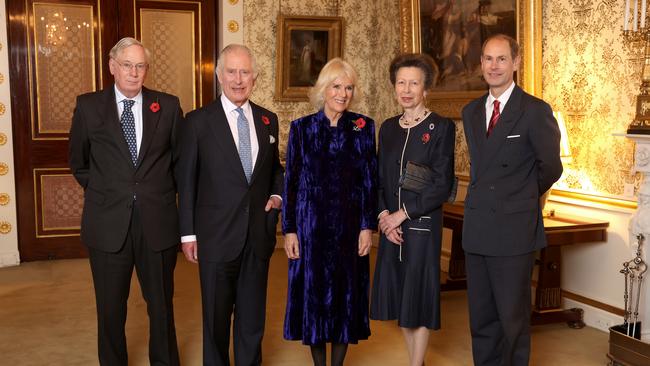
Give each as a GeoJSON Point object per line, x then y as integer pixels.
{"type": "Point", "coordinates": [592, 76]}
{"type": "Point", "coordinates": [371, 40]}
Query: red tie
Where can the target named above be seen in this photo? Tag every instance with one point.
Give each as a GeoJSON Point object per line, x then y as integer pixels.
{"type": "Point", "coordinates": [494, 119]}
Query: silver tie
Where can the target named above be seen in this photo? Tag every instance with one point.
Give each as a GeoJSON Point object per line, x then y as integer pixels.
{"type": "Point", "coordinates": [244, 144]}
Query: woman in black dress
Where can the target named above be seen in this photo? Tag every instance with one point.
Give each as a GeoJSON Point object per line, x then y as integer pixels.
{"type": "Point", "coordinates": [406, 285]}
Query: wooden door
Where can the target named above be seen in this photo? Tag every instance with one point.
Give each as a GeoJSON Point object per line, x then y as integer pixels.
{"type": "Point", "coordinates": [58, 50]}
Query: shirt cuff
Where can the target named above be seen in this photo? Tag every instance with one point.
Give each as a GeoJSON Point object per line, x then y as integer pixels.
{"type": "Point", "coordinates": [381, 213]}
{"type": "Point", "coordinates": [278, 196]}
{"type": "Point", "coordinates": [188, 238]}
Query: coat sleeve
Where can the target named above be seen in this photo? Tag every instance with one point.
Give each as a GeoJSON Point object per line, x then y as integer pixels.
{"type": "Point", "coordinates": [277, 175]}
{"type": "Point", "coordinates": [381, 203]}
{"type": "Point", "coordinates": [291, 179]}
{"type": "Point", "coordinates": [545, 141]}
{"type": "Point", "coordinates": [79, 146]}
{"type": "Point", "coordinates": [186, 172]}
{"type": "Point", "coordinates": [442, 165]}
{"type": "Point", "coordinates": [369, 177]}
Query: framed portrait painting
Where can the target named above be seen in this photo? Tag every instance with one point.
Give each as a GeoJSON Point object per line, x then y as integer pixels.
{"type": "Point", "coordinates": [452, 33]}
{"type": "Point", "coordinates": [305, 44]}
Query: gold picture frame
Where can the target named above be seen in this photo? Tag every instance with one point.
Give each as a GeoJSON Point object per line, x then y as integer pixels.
{"type": "Point", "coordinates": [528, 21]}
{"type": "Point", "coordinates": [305, 44]}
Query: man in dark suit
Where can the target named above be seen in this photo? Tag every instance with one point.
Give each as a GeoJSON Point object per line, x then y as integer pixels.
{"type": "Point", "coordinates": [514, 148]}
{"type": "Point", "coordinates": [122, 145]}
{"type": "Point", "coordinates": [230, 182]}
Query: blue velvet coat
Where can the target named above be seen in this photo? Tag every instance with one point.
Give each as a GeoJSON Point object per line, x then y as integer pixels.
{"type": "Point", "coordinates": [329, 197]}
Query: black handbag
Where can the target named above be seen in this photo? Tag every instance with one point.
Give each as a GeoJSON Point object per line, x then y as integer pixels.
{"type": "Point", "coordinates": [415, 177]}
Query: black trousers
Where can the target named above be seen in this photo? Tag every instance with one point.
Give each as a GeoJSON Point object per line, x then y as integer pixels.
{"type": "Point", "coordinates": [112, 279]}
{"type": "Point", "coordinates": [499, 299]}
{"type": "Point", "coordinates": [238, 287]}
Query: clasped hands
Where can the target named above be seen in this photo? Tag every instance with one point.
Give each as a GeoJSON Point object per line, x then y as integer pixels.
{"type": "Point", "coordinates": [389, 224]}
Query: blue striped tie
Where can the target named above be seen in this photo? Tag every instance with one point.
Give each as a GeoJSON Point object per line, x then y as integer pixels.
{"type": "Point", "coordinates": [244, 144]}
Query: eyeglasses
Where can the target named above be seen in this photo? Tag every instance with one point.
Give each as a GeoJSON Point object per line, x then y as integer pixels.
{"type": "Point", "coordinates": [127, 66]}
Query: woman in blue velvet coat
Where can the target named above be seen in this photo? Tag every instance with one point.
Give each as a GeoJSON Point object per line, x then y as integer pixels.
{"type": "Point", "coordinates": [406, 286]}
{"type": "Point", "coordinates": [329, 213]}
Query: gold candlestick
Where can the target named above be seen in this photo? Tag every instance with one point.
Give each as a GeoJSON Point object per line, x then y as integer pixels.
{"type": "Point", "coordinates": [641, 122]}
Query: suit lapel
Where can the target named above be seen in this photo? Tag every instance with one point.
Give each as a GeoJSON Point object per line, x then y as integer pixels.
{"type": "Point", "coordinates": [224, 138]}
{"type": "Point", "coordinates": [149, 122]}
{"type": "Point", "coordinates": [112, 122]}
{"type": "Point", "coordinates": [263, 139]}
{"type": "Point", "coordinates": [507, 122]}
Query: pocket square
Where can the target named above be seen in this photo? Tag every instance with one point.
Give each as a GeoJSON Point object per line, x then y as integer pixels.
{"type": "Point", "coordinates": [513, 136]}
{"type": "Point", "coordinates": [271, 139]}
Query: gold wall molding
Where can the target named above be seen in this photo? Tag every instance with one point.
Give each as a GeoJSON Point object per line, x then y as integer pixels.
{"type": "Point", "coordinates": [5, 227]}
{"type": "Point", "coordinates": [233, 26]}
{"type": "Point", "coordinates": [4, 199]}
{"type": "Point", "coordinates": [3, 138]}
{"type": "Point", "coordinates": [3, 109]}
{"type": "Point", "coordinates": [233, 2]}
{"type": "Point", "coordinates": [4, 168]}
{"type": "Point", "coordinates": [2, 78]}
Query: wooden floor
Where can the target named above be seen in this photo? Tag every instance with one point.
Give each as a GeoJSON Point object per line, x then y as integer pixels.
{"type": "Point", "coordinates": [47, 317]}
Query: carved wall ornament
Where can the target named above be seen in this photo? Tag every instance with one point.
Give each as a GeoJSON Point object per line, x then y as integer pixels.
{"type": "Point", "coordinates": [5, 227]}
{"type": "Point", "coordinates": [2, 78]}
{"type": "Point", "coordinates": [3, 139]}
{"type": "Point", "coordinates": [4, 199]}
{"type": "Point", "coordinates": [642, 156]}
{"type": "Point", "coordinates": [233, 2]}
{"type": "Point", "coordinates": [3, 109]}
{"type": "Point", "coordinates": [4, 168]}
{"type": "Point", "coordinates": [233, 26]}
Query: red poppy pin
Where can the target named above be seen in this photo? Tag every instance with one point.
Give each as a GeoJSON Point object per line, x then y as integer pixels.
{"type": "Point", "coordinates": [425, 137]}
{"type": "Point", "coordinates": [359, 124]}
{"type": "Point", "coordinates": [266, 120]}
{"type": "Point", "coordinates": [155, 107]}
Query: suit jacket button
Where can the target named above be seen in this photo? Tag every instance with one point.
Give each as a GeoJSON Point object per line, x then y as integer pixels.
{"type": "Point", "coordinates": [492, 188]}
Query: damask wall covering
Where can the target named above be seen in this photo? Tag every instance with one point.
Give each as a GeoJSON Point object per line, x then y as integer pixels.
{"type": "Point", "coordinates": [371, 40]}
{"type": "Point", "coordinates": [592, 76]}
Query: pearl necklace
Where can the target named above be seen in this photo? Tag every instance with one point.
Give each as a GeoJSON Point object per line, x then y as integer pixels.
{"type": "Point", "coordinates": [404, 122]}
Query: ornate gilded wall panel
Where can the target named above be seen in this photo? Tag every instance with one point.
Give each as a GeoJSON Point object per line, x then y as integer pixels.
{"type": "Point", "coordinates": [64, 63]}
{"type": "Point", "coordinates": [59, 202]}
{"type": "Point", "coordinates": [591, 76]}
{"type": "Point", "coordinates": [169, 34]}
{"type": "Point", "coordinates": [371, 41]}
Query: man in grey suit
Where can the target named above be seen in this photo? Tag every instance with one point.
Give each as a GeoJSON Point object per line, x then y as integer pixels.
{"type": "Point", "coordinates": [514, 148]}
{"type": "Point", "coordinates": [122, 152]}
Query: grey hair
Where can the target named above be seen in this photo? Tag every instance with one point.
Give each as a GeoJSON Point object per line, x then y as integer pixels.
{"type": "Point", "coordinates": [232, 48]}
{"type": "Point", "coordinates": [125, 43]}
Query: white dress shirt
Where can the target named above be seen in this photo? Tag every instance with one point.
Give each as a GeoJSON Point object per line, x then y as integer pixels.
{"type": "Point", "coordinates": [137, 113]}
{"type": "Point", "coordinates": [231, 115]}
{"type": "Point", "coordinates": [489, 103]}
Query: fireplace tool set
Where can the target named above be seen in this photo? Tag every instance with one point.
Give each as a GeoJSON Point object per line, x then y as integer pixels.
{"type": "Point", "coordinates": [634, 270]}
